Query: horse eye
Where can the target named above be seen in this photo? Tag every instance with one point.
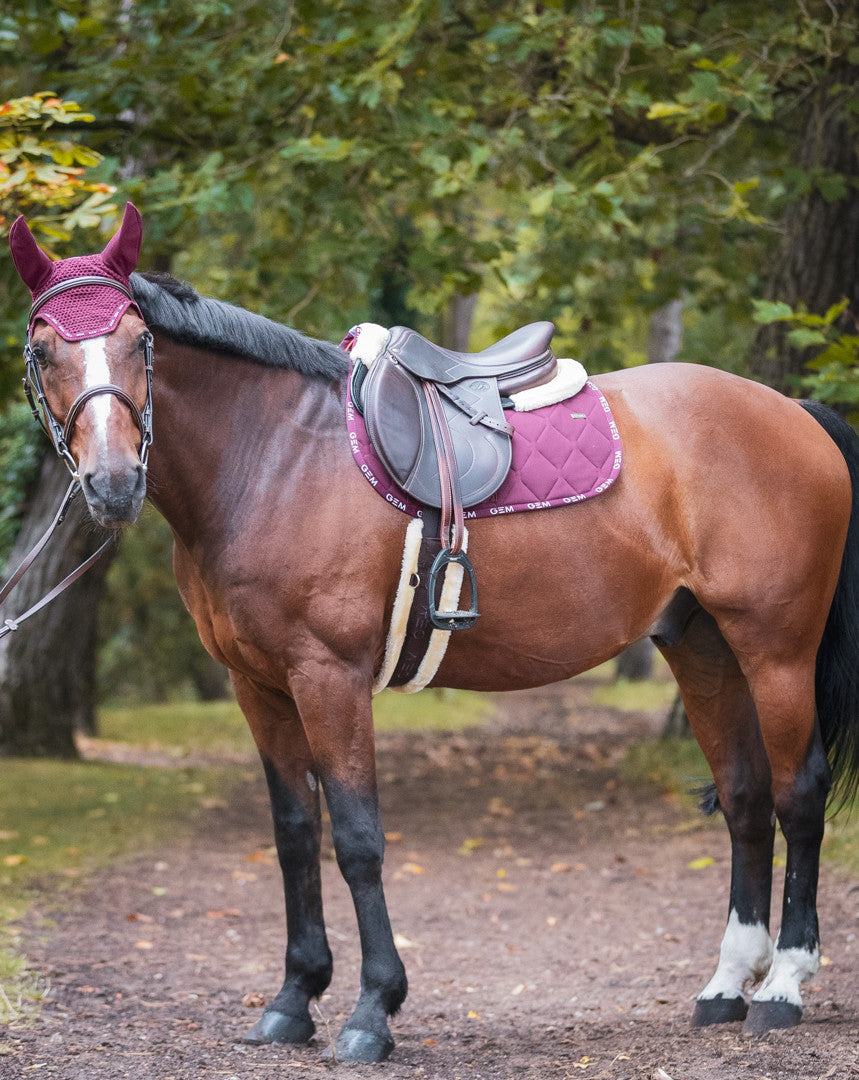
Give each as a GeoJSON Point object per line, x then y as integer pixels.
{"type": "Point", "coordinates": [141, 342]}
{"type": "Point", "coordinates": [39, 354]}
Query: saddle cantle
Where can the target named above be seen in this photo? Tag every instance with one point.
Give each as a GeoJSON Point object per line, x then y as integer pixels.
{"type": "Point", "coordinates": [401, 419]}
{"type": "Point", "coordinates": [436, 421]}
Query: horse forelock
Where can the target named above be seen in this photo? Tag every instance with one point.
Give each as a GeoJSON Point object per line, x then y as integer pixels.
{"type": "Point", "coordinates": [177, 310]}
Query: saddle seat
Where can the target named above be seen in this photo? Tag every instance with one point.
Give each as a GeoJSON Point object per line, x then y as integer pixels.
{"type": "Point", "coordinates": [517, 362]}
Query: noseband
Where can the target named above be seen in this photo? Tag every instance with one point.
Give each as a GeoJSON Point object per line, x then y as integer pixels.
{"type": "Point", "coordinates": [59, 434]}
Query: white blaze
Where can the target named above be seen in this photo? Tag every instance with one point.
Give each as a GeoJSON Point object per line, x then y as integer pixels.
{"type": "Point", "coordinates": [97, 373]}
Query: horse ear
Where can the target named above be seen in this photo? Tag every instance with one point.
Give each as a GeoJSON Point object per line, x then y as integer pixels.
{"type": "Point", "coordinates": [32, 263]}
{"type": "Point", "coordinates": [123, 248]}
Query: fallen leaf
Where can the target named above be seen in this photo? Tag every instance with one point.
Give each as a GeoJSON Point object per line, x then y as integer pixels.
{"type": "Point", "coordinates": [429, 1042]}
{"type": "Point", "coordinates": [8, 834]}
{"type": "Point", "coordinates": [517, 990]}
{"type": "Point", "coordinates": [266, 857]}
{"type": "Point", "coordinates": [413, 868]}
{"type": "Point", "coordinates": [473, 1015]}
{"type": "Point", "coordinates": [700, 864]}
{"type": "Point", "coordinates": [14, 860]}
{"type": "Point", "coordinates": [243, 875]}
{"type": "Point", "coordinates": [393, 837]}
{"type": "Point", "coordinates": [253, 1000]}
{"type": "Point", "coordinates": [402, 942]}
{"type": "Point", "coordinates": [159, 890]}
{"type": "Point", "coordinates": [143, 945]}
{"type": "Point", "coordinates": [470, 844]}
{"type": "Point", "coordinates": [136, 916]}
{"type": "Point", "coordinates": [505, 886]}
{"type": "Point", "coordinates": [825, 961]}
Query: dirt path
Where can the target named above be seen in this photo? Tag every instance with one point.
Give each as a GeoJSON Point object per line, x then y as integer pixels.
{"type": "Point", "coordinates": [548, 917]}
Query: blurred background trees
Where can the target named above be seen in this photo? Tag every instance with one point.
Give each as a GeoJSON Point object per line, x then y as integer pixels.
{"type": "Point", "coordinates": [459, 167]}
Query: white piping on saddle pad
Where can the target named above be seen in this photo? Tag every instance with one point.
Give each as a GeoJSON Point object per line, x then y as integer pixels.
{"type": "Point", "coordinates": [449, 600]}
{"type": "Point", "coordinates": [569, 379]}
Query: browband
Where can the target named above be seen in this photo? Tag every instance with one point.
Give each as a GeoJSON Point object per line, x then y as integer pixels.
{"type": "Point", "coordinates": [74, 283]}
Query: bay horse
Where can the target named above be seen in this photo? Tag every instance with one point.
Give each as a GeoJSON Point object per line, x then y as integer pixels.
{"type": "Point", "coordinates": [730, 536]}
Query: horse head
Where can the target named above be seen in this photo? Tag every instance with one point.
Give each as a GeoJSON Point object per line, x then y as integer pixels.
{"type": "Point", "coordinates": [89, 362]}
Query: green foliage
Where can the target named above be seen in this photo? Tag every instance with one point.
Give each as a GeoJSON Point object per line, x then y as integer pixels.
{"type": "Point", "coordinates": [21, 450]}
{"type": "Point", "coordinates": [149, 648]}
{"type": "Point", "coordinates": [834, 367]}
{"type": "Point", "coordinates": [577, 158]}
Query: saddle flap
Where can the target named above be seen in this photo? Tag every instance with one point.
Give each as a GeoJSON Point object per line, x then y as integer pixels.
{"type": "Point", "coordinates": [400, 428]}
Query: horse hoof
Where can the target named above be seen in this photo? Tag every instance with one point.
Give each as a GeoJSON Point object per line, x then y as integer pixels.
{"type": "Point", "coordinates": [767, 1016]}
{"type": "Point", "coordinates": [275, 1027]}
{"type": "Point", "coordinates": [362, 1046]}
{"type": "Point", "coordinates": [719, 1010]}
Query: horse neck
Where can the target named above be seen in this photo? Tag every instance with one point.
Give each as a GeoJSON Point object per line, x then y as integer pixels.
{"type": "Point", "coordinates": [222, 427]}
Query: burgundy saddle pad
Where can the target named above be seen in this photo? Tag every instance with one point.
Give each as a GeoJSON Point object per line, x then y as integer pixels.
{"type": "Point", "coordinates": [562, 454]}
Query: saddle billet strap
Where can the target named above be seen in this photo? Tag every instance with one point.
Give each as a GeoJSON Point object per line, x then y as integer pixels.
{"type": "Point", "coordinates": [448, 472]}
{"type": "Point", "coordinates": [475, 416]}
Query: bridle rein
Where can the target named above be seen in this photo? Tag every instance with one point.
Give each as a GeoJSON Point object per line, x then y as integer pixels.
{"type": "Point", "coordinates": [61, 437]}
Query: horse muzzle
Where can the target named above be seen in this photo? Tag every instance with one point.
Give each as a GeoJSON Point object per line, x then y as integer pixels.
{"type": "Point", "coordinates": [115, 496]}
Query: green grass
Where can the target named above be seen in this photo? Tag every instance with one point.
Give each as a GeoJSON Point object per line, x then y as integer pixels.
{"type": "Point", "coordinates": [61, 820]}
{"type": "Point", "coordinates": [678, 766]}
{"type": "Point", "coordinates": [646, 695]}
{"type": "Point", "coordinates": [675, 765]}
{"type": "Point", "coordinates": [218, 727]}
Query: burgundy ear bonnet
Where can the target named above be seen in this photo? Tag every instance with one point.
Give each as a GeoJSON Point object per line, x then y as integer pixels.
{"type": "Point", "coordinates": [85, 310]}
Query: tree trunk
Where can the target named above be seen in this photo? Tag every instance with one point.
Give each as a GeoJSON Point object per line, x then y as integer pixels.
{"type": "Point", "coordinates": [47, 667]}
{"type": "Point", "coordinates": [456, 321]}
{"type": "Point", "coordinates": [816, 264]}
{"type": "Point", "coordinates": [664, 338]}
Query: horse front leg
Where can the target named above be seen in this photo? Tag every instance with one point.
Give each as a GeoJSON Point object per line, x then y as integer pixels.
{"type": "Point", "coordinates": [294, 794]}
{"type": "Point", "coordinates": [337, 714]}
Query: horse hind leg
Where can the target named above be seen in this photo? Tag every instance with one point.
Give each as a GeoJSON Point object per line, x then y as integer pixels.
{"type": "Point", "coordinates": [784, 694]}
{"type": "Point", "coordinates": [294, 795]}
{"type": "Point", "coordinates": [724, 720]}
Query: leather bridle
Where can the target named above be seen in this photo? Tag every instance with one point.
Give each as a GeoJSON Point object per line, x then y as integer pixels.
{"type": "Point", "coordinates": [61, 434]}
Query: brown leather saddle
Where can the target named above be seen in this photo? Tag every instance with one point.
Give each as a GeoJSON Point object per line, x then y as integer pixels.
{"type": "Point", "coordinates": [436, 420]}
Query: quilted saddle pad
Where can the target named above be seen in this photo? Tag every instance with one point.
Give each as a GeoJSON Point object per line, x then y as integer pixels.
{"type": "Point", "coordinates": [562, 454]}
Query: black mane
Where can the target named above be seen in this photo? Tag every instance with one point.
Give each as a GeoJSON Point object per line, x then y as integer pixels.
{"type": "Point", "coordinates": [182, 314]}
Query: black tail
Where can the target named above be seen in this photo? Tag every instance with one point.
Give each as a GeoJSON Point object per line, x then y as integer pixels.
{"type": "Point", "coordinates": [837, 675]}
